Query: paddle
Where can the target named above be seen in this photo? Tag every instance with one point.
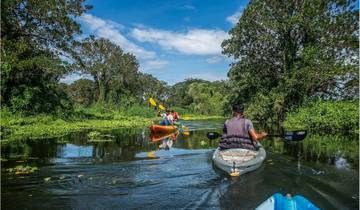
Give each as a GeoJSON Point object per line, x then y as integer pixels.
{"type": "Point", "coordinates": [287, 136]}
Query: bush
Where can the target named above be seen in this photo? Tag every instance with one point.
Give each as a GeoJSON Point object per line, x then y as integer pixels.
{"type": "Point", "coordinates": [326, 116]}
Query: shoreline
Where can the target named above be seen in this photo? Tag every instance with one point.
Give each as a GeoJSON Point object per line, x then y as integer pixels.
{"type": "Point", "coordinates": [41, 127]}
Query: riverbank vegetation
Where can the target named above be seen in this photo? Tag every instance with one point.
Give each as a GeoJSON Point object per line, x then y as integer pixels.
{"type": "Point", "coordinates": [326, 116]}
{"type": "Point", "coordinates": [17, 127]}
{"type": "Point", "coordinates": [286, 57]}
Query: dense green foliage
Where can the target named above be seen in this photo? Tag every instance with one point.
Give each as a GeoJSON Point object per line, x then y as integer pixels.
{"type": "Point", "coordinates": [82, 91]}
{"type": "Point", "coordinates": [291, 51]}
{"type": "Point", "coordinates": [34, 34]}
{"type": "Point", "coordinates": [200, 96]}
{"type": "Point", "coordinates": [326, 116]}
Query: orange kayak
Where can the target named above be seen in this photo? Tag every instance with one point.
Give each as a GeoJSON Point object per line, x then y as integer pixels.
{"type": "Point", "coordinates": [160, 136]}
{"type": "Point", "coordinates": [163, 128]}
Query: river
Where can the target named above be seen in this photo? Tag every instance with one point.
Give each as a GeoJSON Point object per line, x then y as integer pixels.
{"type": "Point", "coordinates": [129, 171]}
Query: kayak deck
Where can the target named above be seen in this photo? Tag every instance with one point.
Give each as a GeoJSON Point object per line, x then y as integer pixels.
{"type": "Point", "coordinates": [280, 202]}
{"type": "Point", "coordinates": [242, 160]}
{"type": "Point", "coordinates": [163, 128]}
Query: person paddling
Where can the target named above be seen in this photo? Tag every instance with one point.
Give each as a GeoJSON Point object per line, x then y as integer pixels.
{"type": "Point", "coordinates": [175, 115]}
{"type": "Point", "coordinates": [168, 118]}
{"type": "Point", "coordinates": [239, 132]}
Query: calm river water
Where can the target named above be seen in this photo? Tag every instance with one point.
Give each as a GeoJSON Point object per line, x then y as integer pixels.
{"type": "Point", "coordinates": [133, 172]}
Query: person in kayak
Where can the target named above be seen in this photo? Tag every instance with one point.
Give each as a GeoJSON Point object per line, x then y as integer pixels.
{"type": "Point", "coordinates": [168, 119]}
{"type": "Point", "coordinates": [175, 115]}
{"type": "Point", "coordinates": [239, 132]}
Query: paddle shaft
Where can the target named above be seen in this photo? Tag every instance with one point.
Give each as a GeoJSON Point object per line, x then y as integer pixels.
{"type": "Point", "coordinates": [292, 136]}
{"type": "Point", "coordinates": [274, 135]}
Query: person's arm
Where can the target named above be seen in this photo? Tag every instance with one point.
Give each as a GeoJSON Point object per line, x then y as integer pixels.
{"type": "Point", "coordinates": [171, 119]}
{"type": "Point", "coordinates": [256, 136]}
{"type": "Point", "coordinates": [253, 134]}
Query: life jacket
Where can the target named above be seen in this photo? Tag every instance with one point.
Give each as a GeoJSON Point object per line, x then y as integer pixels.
{"type": "Point", "coordinates": [236, 135]}
{"type": "Point", "coordinates": [175, 115]}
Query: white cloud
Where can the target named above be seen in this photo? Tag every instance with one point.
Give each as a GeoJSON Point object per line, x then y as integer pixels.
{"type": "Point", "coordinates": [154, 64]}
{"type": "Point", "coordinates": [234, 18]}
{"type": "Point", "coordinates": [193, 42]}
{"type": "Point", "coordinates": [214, 59]}
{"type": "Point", "coordinates": [187, 7]}
{"type": "Point", "coordinates": [110, 30]}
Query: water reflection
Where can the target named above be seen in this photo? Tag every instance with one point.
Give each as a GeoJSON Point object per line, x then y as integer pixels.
{"type": "Point", "coordinates": [135, 170]}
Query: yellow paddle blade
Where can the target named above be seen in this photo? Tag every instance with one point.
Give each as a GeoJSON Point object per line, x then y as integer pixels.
{"type": "Point", "coordinates": [186, 118]}
{"type": "Point", "coordinates": [151, 154]}
{"type": "Point", "coordinates": [185, 130]}
{"type": "Point", "coordinates": [152, 102]}
{"type": "Point", "coordinates": [186, 133]}
{"type": "Point", "coordinates": [161, 107]}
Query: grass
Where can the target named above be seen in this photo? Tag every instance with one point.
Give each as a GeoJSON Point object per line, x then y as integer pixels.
{"type": "Point", "coordinates": [325, 146]}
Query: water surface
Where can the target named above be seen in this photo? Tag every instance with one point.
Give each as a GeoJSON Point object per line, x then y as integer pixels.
{"type": "Point", "coordinates": [132, 172]}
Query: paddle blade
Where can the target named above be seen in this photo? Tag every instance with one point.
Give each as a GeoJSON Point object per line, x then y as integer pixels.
{"type": "Point", "coordinates": [186, 133]}
{"type": "Point", "coordinates": [152, 102]}
{"type": "Point", "coordinates": [185, 130]}
{"type": "Point", "coordinates": [161, 107]}
{"type": "Point", "coordinates": [213, 135]}
{"type": "Point", "coordinates": [295, 135]}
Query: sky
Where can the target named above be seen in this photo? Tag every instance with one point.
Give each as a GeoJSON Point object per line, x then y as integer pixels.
{"type": "Point", "coordinates": [172, 39]}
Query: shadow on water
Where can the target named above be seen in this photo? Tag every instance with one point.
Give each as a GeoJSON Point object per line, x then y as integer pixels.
{"type": "Point", "coordinates": [134, 170]}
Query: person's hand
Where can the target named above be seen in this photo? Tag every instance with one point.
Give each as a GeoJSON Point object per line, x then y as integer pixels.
{"type": "Point", "coordinates": [264, 134]}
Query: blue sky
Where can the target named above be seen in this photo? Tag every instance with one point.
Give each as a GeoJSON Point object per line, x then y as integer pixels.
{"type": "Point", "coordinates": [173, 40]}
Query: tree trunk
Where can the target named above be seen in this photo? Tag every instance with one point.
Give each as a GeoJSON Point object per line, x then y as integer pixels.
{"type": "Point", "coordinates": [102, 92]}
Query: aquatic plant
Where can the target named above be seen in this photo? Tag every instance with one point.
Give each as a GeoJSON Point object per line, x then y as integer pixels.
{"type": "Point", "coordinates": [22, 170]}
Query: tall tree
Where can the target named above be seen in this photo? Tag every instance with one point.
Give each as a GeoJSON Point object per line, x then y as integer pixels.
{"type": "Point", "coordinates": [112, 69]}
{"type": "Point", "coordinates": [82, 91]}
{"type": "Point", "coordinates": [288, 51]}
{"type": "Point", "coordinates": [33, 36]}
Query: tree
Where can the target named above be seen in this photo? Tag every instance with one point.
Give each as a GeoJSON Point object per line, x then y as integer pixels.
{"type": "Point", "coordinates": [290, 51]}
{"type": "Point", "coordinates": [82, 91]}
{"type": "Point", "coordinates": [33, 36]}
{"type": "Point", "coordinates": [179, 92]}
{"type": "Point", "coordinates": [207, 98]}
{"type": "Point", "coordinates": [112, 69]}
{"type": "Point", "coordinates": [149, 86]}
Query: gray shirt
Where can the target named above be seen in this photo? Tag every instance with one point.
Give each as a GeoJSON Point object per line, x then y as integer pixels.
{"type": "Point", "coordinates": [238, 126]}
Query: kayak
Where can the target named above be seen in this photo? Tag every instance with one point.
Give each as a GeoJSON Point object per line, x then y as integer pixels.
{"type": "Point", "coordinates": [278, 201]}
{"type": "Point", "coordinates": [160, 136]}
{"type": "Point", "coordinates": [163, 128]}
{"type": "Point", "coordinates": [238, 161]}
